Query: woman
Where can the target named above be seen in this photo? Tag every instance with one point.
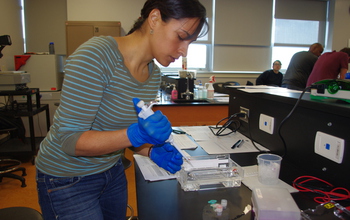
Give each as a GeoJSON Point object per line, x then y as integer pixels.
{"type": "Point", "coordinates": [79, 170]}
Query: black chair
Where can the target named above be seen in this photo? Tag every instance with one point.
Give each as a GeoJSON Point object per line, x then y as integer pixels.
{"type": "Point", "coordinates": [220, 87]}
{"type": "Point", "coordinates": [20, 213]}
{"type": "Point", "coordinates": [8, 165]}
{"type": "Point", "coordinates": [232, 83]}
{"type": "Point", "coordinates": [250, 83]}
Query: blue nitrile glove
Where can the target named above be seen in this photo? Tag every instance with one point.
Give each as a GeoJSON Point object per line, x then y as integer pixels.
{"type": "Point", "coordinates": [155, 129]}
{"type": "Point", "coordinates": [167, 157]}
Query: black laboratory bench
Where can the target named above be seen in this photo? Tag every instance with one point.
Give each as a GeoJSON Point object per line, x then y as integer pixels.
{"type": "Point", "coordinates": [299, 131]}
{"type": "Point", "coordinates": [166, 200]}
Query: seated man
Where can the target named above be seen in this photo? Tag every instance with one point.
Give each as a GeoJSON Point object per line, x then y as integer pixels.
{"type": "Point", "coordinates": [271, 77]}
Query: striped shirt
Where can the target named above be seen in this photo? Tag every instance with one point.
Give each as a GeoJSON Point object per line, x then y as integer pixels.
{"type": "Point", "coordinates": [96, 95]}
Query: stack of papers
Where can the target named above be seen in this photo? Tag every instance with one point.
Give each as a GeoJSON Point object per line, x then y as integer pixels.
{"type": "Point", "coordinates": [150, 170]}
{"type": "Point", "coordinates": [197, 136]}
{"type": "Point", "coordinates": [221, 144]}
{"type": "Point", "coordinates": [184, 141]}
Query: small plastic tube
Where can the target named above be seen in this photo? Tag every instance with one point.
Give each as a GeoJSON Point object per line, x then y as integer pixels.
{"type": "Point", "coordinates": [218, 210]}
{"type": "Point", "coordinates": [224, 203]}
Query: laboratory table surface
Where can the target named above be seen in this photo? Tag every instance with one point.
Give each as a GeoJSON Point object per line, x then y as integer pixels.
{"type": "Point", "coordinates": [166, 200]}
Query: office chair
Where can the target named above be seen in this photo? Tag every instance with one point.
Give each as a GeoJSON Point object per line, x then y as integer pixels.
{"type": "Point", "coordinates": [232, 83]}
{"type": "Point", "coordinates": [7, 165]}
{"type": "Point", "coordinates": [250, 83]}
{"type": "Point", "coordinates": [20, 213]}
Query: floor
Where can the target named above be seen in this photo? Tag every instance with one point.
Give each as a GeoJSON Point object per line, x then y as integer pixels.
{"type": "Point", "coordinates": [12, 194]}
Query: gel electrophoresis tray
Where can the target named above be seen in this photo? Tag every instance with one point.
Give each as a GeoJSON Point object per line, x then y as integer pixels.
{"type": "Point", "coordinates": [210, 172]}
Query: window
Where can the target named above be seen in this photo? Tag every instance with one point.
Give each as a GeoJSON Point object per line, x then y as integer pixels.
{"type": "Point", "coordinates": [296, 31]}
{"type": "Point", "coordinates": [196, 59]}
{"type": "Point", "coordinates": [284, 54]}
{"type": "Point", "coordinates": [297, 25]}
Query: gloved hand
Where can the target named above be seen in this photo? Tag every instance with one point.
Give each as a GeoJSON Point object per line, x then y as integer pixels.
{"type": "Point", "coordinates": [167, 157]}
{"type": "Point", "coordinates": [155, 129]}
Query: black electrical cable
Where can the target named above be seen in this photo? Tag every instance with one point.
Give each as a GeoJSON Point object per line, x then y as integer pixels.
{"type": "Point", "coordinates": [287, 117]}
{"type": "Point", "coordinates": [250, 136]}
{"type": "Point", "coordinates": [231, 120]}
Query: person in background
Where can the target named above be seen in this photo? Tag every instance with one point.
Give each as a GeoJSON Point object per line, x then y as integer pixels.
{"type": "Point", "coordinates": [271, 77]}
{"type": "Point", "coordinates": [80, 174]}
{"type": "Point", "coordinates": [300, 67]}
{"type": "Point", "coordinates": [331, 65]}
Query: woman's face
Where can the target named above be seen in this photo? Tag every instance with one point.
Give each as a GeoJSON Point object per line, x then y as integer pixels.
{"type": "Point", "coordinates": [171, 40]}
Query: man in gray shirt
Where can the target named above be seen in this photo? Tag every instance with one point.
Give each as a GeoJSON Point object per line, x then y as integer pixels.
{"type": "Point", "coordinates": [300, 67]}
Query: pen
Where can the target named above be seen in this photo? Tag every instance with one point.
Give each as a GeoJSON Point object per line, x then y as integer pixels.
{"type": "Point", "coordinates": [237, 144]}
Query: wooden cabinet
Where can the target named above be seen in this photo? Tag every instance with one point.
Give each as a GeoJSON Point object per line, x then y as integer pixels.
{"type": "Point", "coordinates": [193, 115]}
{"type": "Point", "coordinates": [77, 32]}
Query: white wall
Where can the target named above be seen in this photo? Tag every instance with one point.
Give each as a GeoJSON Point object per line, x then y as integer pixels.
{"type": "Point", "coordinates": [341, 27]}
{"type": "Point", "coordinates": [45, 23]}
{"type": "Point", "coordinates": [105, 10]}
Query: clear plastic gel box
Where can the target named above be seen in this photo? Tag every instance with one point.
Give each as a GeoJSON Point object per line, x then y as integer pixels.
{"type": "Point", "coordinates": [209, 172]}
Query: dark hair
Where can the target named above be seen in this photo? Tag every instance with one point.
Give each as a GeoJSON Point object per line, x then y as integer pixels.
{"type": "Point", "coordinates": [174, 9]}
{"type": "Point", "coordinates": [277, 61]}
{"type": "Point", "coordinates": [346, 50]}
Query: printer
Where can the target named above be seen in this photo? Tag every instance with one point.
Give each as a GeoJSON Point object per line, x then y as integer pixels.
{"type": "Point", "coordinates": [14, 80]}
{"type": "Point", "coordinates": [11, 80]}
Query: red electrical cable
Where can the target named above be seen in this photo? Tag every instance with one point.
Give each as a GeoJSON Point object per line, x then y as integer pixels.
{"type": "Point", "coordinates": [336, 193]}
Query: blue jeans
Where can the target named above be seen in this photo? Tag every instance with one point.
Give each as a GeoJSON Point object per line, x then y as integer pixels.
{"type": "Point", "coordinates": [100, 196]}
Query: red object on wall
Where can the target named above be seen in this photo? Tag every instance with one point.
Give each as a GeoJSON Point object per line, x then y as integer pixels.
{"type": "Point", "coordinates": [20, 60]}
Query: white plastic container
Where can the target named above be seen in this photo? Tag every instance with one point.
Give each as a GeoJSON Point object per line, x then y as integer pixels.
{"type": "Point", "coordinates": [195, 92]}
{"type": "Point", "coordinates": [204, 93]}
{"type": "Point", "coordinates": [274, 204]}
{"type": "Point", "coordinates": [210, 88]}
{"type": "Point", "coordinates": [269, 168]}
{"type": "Point", "coordinates": [210, 91]}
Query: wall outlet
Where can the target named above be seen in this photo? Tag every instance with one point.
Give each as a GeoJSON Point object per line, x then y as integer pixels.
{"type": "Point", "coordinates": [246, 112]}
{"type": "Point", "coordinates": [266, 123]}
{"type": "Point", "coordinates": [329, 146]}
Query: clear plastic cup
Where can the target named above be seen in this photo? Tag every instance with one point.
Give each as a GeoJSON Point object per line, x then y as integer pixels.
{"type": "Point", "coordinates": [269, 168]}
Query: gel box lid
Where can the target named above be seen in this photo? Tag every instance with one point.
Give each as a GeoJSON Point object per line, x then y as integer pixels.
{"type": "Point", "coordinates": [274, 204]}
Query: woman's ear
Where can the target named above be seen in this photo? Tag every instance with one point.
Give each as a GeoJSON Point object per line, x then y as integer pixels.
{"type": "Point", "coordinates": [153, 18]}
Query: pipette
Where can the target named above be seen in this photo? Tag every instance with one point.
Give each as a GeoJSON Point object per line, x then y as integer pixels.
{"type": "Point", "coordinates": [146, 112]}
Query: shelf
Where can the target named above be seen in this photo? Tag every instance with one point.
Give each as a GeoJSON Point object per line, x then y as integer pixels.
{"type": "Point", "coordinates": [24, 112]}
{"type": "Point", "coordinates": [27, 109]}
